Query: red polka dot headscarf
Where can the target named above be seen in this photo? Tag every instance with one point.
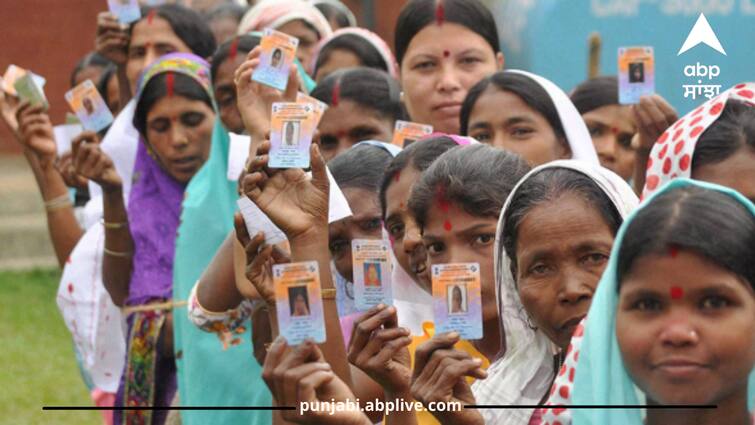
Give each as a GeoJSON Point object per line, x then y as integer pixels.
{"type": "Point", "coordinates": [671, 156]}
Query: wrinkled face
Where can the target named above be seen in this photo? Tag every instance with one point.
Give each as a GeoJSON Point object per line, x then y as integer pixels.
{"type": "Point", "coordinates": [403, 230]}
{"type": "Point", "coordinates": [440, 65]}
{"type": "Point", "coordinates": [503, 120]}
{"type": "Point", "coordinates": [224, 29]}
{"type": "Point", "coordinates": [225, 94]}
{"type": "Point", "coordinates": [683, 324]}
{"type": "Point", "coordinates": [562, 249]}
{"type": "Point", "coordinates": [364, 223]}
{"type": "Point", "coordinates": [736, 172]}
{"type": "Point", "coordinates": [337, 59]}
{"type": "Point", "coordinates": [459, 237]}
{"type": "Point", "coordinates": [308, 39]}
{"type": "Point", "coordinates": [149, 41]}
{"type": "Point", "coordinates": [179, 133]}
{"type": "Point", "coordinates": [612, 128]}
{"type": "Point", "coordinates": [349, 123]}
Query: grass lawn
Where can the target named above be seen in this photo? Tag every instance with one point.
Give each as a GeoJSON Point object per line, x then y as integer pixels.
{"type": "Point", "coordinates": [36, 354]}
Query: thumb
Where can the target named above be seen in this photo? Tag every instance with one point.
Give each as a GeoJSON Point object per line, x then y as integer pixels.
{"type": "Point", "coordinates": [292, 87]}
{"type": "Point", "coordinates": [319, 170]}
{"type": "Point", "coordinates": [242, 233]}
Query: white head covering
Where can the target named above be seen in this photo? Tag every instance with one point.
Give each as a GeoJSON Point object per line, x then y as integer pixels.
{"type": "Point", "coordinates": [341, 8]}
{"type": "Point", "coordinates": [574, 126]}
{"type": "Point", "coordinates": [276, 13]}
{"type": "Point", "coordinates": [524, 373]}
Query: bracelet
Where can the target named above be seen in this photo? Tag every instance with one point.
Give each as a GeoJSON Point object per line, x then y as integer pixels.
{"type": "Point", "coordinates": [114, 225]}
{"type": "Point", "coordinates": [126, 254]}
{"type": "Point", "coordinates": [328, 294]}
{"type": "Point", "coordinates": [58, 203]}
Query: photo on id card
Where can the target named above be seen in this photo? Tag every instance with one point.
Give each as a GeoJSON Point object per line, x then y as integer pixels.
{"type": "Point", "coordinates": [291, 130]}
{"type": "Point", "coordinates": [457, 300]}
{"type": "Point", "coordinates": [371, 265]}
{"type": "Point", "coordinates": [298, 302]}
{"type": "Point", "coordinates": [127, 11]}
{"type": "Point", "coordinates": [89, 106]}
{"type": "Point", "coordinates": [405, 133]}
{"type": "Point", "coordinates": [278, 52]}
{"type": "Point", "coordinates": [636, 74]}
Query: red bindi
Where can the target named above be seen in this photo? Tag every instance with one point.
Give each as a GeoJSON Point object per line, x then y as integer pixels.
{"type": "Point", "coordinates": [673, 250]}
{"type": "Point", "coordinates": [447, 225]}
{"type": "Point", "coordinates": [446, 53]}
{"type": "Point", "coordinates": [614, 130]}
{"type": "Point", "coordinates": [676, 292]}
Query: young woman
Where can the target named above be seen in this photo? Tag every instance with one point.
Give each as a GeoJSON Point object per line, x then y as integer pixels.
{"type": "Point", "coordinates": [611, 125]}
{"type": "Point", "coordinates": [363, 104]}
{"type": "Point", "coordinates": [352, 47]}
{"type": "Point", "coordinates": [526, 114]}
{"type": "Point", "coordinates": [137, 267]}
{"type": "Point", "coordinates": [296, 18]}
{"type": "Point", "coordinates": [673, 314]}
{"type": "Point", "coordinates": [443, 49]}
{"type": "Point", "coordinates": [229, 56]}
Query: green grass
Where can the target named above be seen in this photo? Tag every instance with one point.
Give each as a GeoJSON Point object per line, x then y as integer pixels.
{"type": "Point", "coordinates": [37, 362]}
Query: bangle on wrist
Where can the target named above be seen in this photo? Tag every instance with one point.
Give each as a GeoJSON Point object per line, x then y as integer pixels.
{"type": "Point", "coordinates": [114, 225]}
{"type": "Point", "coordinates": [328, 294]}
{"type": "Point", "coordinates": [62, 201]}
{"type": "Point", "coordinates": [119, 254]}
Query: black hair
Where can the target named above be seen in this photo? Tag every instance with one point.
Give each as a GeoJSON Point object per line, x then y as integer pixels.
{"type": "Point", "coordinates": [90, 59]}
{"type": "Point", "coordinates": [417, 14]}
{"type": "Point", "coordinates": [547, 186]}
{"type": "Point", "coordinates": [107, 74]}
{"type": "Point", "coordinates": [732, 131]}
{"type": "Point", "coordinates": [225, 10]}
{"type": "Point", "coordinates": [360, 167]}
{"type": "Point", "coordinates": [244, 45]}
{"type": "Point", "coordinates": [188, 25]}
{"type": "Point", "coordinates": [477, 178]}
{"type": "Point", "coordinates": [367, 87]}
{"type": "Point", "coordinates": [330, 11]}
{"type": "Point", "coordinates": [596, 93]}
{"type": "Point", "coordinates": [368, 55]}
{"type": "Point", "coordinates": [420, 155]}
{"type": "Point", "coordinates": [183, 85]}
{"type": "Point", "coordinates": [708, 222]}
{"type": "Point", "coordinates": [527, 89]}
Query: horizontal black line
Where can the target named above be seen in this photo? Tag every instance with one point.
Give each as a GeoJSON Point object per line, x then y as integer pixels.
{"type": "Point", "coordinates": [592, 406]}
{"type": "Point", "coordinates": [170, 408]}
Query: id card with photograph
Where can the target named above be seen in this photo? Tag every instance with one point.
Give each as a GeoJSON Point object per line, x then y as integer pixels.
{"type": "Point", "coordinates": [319, 107]}
{"type": "Point", "coordinates": [28, 90]}
{"type": "Point", "coordinates": [127, 11]}
{"type": "Point", "coordinates": [457, 300]}
{"type": "Point", "coordinates": [371, 263]}
{"type": "Point", "coordinates": [291, 131]}
{"type": "Point", "coordinates": [278, 52]}
{"type": "Point", "coordinates": [298, 302]}
{"type": "Point", "coordinates": [636, 74]}
{"type": "Point", "coordinates": [89, 106]}
{"type": "Point", "coordinates": [405, 133]}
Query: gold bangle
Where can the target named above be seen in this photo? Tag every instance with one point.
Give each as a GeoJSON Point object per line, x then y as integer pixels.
{"type": "Point", "coordinates": [114, 225]}
{"type": "Point", "coordinates": [328, 294]}
{"type": "Point", "coordinates": [58, 203]}
{"type": "Point", "coordinates": [111, 253]}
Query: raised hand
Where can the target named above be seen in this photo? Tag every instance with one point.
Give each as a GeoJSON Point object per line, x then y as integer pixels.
{"type": "Point", "coordinates": [379, 348]}
{"type": "Point", "coordinates": [112, 38]}
{"type": "Point", "coordinates": [68, 172]}
{"type": "Point", "coordinates": [260, 258]}
{"type": "Point", "coordinates": [255, 100]}
{"type": "Point", "coordinates": [296, 203]}
{"type": "Point", "coordinates": [8, 108]}
{"type": "Point", "coordinates": [91, 162]}
{"type": "Point", "coordinates": [653, 115]}
{"type": "Point", "coordinates": [439, 375]}
{"type": "Point", "coordinates": [35, 130]}
{"type": "Point", "coordinates": [302, 376]}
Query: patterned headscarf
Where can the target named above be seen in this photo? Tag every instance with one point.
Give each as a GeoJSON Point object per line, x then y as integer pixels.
{"type": "Point", "coordinates": [183, 63]}
{"type": "Point", "coordinates": [672, 153]}
{"type": "Point", "coordinates": [276, 13]}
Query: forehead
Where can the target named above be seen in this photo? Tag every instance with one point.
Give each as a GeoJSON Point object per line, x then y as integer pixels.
{"type": "Point", "coordinates": [348, 114]}
{"type": "Point", "coordinates": [459, 219]}
{"type": "Point", "coordinates": [619, 116]}
{"type": "Point", "coordinates": [228, 67]}
{"type": "Point", "coordinates": [736, 172]}
{"type": "Point", "coordinates": [155, 32]}
{"type": "Point", "coordinates": [400, 188]}
{"type": "Point", "coordinates": [362, 201]}
{"type": "Point", "coordinates": [434, 39]}
{"type": "Point", "coordinates": [566, 219]}
{"type": "Point", "coordinates": [174, 105]}
{"type": "Point", "coordinates": [497, 106]}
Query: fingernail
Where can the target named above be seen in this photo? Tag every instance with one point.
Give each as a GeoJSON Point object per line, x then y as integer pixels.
{"type": "Point", "coordinates": [477, 360]}
{"type": "Point", "coordinates": [453, 335]}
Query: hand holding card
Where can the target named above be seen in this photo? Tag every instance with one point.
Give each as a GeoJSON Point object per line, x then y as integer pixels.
{"type": "Point", "coordinates": [298, 302]}
{"type": "Point", "coordinates": [277, 56]}
{"type": "Point", "coordinates": [36, 132]}
{"type": "Point", "coordinates": [636, 74]}
{"type": "Point", "coordinates": [89, 106]}
{"type": "Point", "coordinates": [371, 263]}
{"type": "Point", "coordinates": [28, 90]}
{"type": "Point", "coordinates": [292, 128]}
{"type": "Point", "coordinates": [127, 11]}
{"type": "Point", "coordinates": [457, 299]}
